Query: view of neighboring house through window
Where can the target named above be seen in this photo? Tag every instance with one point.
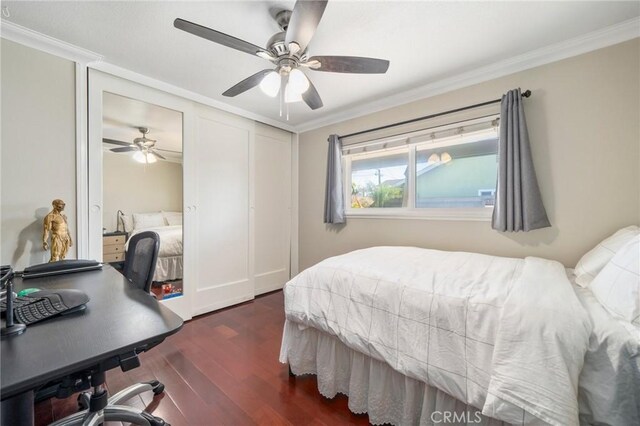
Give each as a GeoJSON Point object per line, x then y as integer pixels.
{"type": "Point", "coordinates": [457, 176]}
{"type": "Point", "coordinates": [453, 169]}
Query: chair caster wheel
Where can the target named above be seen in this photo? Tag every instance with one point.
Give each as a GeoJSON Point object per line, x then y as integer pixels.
{"type": "Point", "coordinates": [153, 420]}
{"type": "Point", "coordinates": [158, 388]}
{"type": "Point", "coordinates": [83, 402]}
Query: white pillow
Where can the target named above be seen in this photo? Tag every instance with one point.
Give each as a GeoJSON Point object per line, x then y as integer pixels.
{"type": "Point", "coordinates": [593, 262]}
{"type": "Point", "coordinates": [172, 218]}
{"type": "Point", "coordinates": [617, 286]}
{"type": "Point", "coordinates": [147, 220]}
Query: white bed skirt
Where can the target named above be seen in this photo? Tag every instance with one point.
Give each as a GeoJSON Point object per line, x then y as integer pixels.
{"type": "Point", "coordinates": [168, 268]}
{"type": "Point", "coordinates": [371, 385]}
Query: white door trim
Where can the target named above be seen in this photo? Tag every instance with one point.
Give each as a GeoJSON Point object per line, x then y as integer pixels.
{"type": "Point", "coordinates": [82, 165]}
{"type": "Point", "coordinates": [295, 147]}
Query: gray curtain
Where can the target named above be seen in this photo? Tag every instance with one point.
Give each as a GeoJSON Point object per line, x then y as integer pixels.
{"type": "Point", "coordinates": [518, 202]}
{"type": "Point", "coordinates": [334, 192]}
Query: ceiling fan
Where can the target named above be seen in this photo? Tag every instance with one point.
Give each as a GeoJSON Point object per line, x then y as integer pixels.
{"type": "Point", "coordinates": [287, 50]}
{"type": "Point", "coordinates": [144, 148]}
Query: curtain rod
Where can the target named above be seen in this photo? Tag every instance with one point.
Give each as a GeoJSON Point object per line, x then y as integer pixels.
{"type": "Point", "coordinates": [525, 94]}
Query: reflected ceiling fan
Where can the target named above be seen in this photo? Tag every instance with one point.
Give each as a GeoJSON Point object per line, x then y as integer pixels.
{"type": "Point", "coordinates": [287, 50]}
{"type": "Point", "coordinates": [144, 148]}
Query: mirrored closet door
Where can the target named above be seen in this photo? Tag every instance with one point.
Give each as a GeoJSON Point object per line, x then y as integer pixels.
{"type": "Point", "coordinates": [136, 179]}
{"type": "Point", "coordinates": [142, 185]}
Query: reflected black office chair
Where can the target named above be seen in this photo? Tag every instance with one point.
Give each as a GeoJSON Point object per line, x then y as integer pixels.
{"type": "Point", "coordinates": [141, 259]}
{"type": "Point", "coordinates": [139, 267]}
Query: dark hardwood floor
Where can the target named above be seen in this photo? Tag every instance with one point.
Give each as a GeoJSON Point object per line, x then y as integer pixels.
{"type": "Point", "coordinates": [222, 369]}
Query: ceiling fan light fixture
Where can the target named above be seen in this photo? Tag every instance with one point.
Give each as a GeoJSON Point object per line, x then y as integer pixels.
{"type": "Point", "coordinates": [298, 81]}
{"type": "Point", "coordinates": [139, 157]}
{"type": "Point", "coordinates": [144, 157]}
{"type": "Point", "coordinates": [270, 84]}
{"type": "Point", "coordinates": [291, 95]}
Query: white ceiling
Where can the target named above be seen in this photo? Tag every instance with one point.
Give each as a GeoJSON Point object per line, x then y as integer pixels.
{"type": "Point", "coordinates": [425, 41]}
{"type": "Point", "coordinates": [122, 116]}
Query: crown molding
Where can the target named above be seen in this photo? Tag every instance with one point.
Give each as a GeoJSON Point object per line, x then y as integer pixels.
{"type": "Point", "coordinates": [608, 36]}
{"type": "Point", "coordinates": [53, 46]}
{"type": "Point", "coordinates": [42, 42]}
{"type": "Point", "coordinates": [184, 93]}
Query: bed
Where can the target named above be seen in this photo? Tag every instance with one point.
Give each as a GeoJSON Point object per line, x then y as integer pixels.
{"type": "Point", "coordinates": [412, 335]}
{"type": "Point", "coordinates": [168, 225]}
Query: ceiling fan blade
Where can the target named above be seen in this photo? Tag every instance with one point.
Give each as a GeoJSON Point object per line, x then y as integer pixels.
{"type": "Point", "coordinates": [304, 20]}
{"type": "Point", "coordinates": [124, 149]}
{"type": "Point", "coordinates": [158, 155]}
{"type": "Point", "coordinates": [349, 64]}
{"type": "Point", "coordinates": [115, 142]}
{"type": "Point", "coordinates": [311, 97]}
{"type": "Point", "coordinates": [220, 38]}
{"type": "Point", "coordinates": [246, 84]}
{"type": "Point", "coordinates": [167, 150]}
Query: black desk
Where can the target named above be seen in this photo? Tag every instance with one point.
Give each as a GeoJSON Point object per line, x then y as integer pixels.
{"type": "Point", "coordinates": [118, 319]}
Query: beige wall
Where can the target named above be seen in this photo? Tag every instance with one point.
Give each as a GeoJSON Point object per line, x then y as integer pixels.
{"type": "Point", "coordinates": [135, 188]}
{"type": "Point", "coordinates": [584, 124]}
{"type": "Point", "coordinates": [38, 149]}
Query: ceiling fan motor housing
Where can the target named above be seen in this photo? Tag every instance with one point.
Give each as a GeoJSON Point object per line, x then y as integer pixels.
{"type": "Point", "coordinates": [277, 45]}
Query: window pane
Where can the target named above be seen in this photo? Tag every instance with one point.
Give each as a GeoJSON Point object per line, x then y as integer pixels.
{"type": "Point", "coordinates": [457, 176]}
{"type": "Point", "coordinates": [379, 181]}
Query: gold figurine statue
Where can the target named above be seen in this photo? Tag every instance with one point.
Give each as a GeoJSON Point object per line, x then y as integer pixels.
{"type": "Point", "coordinates": [56, 223]}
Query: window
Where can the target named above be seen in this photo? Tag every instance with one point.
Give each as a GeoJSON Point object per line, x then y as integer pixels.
{"type": "Point", "coordinates": [447, 173]}
{"type": "Point", "coordinates": [379, 180]}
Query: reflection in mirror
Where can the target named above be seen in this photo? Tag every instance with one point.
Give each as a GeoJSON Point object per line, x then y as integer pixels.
{"type": "Point", "coordinates": [142, 185]}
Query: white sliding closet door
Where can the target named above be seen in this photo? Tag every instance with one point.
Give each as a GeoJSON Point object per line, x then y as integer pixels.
{"type": "Point", "coordinates": [223, 192]}
{"type": "Point", "coordinates": [272, 208]}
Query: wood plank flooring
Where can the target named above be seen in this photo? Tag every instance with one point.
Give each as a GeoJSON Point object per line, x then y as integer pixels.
{"type": "Point", "coordinates": [223, 369]}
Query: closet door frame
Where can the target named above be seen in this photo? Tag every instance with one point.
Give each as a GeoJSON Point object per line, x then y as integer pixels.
{"type": "Point", "coordinates": [98, 83]}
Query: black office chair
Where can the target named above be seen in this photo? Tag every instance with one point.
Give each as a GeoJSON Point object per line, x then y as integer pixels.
{"type": "Point", "coordinates": [139, 267]}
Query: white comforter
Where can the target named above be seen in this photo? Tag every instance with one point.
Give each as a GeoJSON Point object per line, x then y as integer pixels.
{"type": "Point", "coordinates": [504, 335]}
{"type": "Point", "coordinates": [170, 239]}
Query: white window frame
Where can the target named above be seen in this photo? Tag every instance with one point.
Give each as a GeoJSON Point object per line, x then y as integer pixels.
{"type": "Point", "coordinates": [483, 214]}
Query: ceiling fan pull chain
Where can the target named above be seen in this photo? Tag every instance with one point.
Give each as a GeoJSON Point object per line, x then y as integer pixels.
{"type": "Point", "coordinates": [283, 83]}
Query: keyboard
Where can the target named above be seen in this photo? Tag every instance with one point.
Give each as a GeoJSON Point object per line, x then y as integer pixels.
{"type": "Point", "coordinates": [44, 304]}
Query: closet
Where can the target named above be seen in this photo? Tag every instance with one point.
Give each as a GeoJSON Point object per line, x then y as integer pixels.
{"type": "Point", "coordinates": [237, 206]}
